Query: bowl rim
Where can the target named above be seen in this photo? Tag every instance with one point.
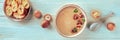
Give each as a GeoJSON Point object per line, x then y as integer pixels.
{"type": "Point", "coordinates": [77, 6]}
{"type": "Point", "coordinates": [4, 5]}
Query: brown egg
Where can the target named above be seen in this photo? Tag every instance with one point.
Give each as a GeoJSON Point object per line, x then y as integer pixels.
{"type": "Point", "coordinates": [111, 26]}
{"type": "Point", "coordinates": [37, 14]}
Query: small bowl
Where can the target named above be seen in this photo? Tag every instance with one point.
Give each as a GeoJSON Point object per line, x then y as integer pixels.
{"type": "Point", "coordinates": [15, 19]}
{"type": "Point", "coordinates": [83, 27]}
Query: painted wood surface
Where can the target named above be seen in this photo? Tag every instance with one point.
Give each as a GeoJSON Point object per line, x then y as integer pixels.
{"type": "Point", "coordinates": [10, 30]}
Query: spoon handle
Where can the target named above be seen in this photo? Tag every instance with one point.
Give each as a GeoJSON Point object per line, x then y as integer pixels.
{"type": "Point", "coordinates": [109, 15]}
{"type": "Point", "coordinates": [106, 17]}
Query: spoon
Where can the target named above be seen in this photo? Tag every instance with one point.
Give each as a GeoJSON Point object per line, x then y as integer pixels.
{"type": "Point", "coordinates": [103, 19]}
{"type": "Point", "coordinates": [94, 26]}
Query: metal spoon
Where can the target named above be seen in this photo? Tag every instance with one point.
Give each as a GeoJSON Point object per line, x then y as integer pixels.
{"type": "Point", "coordinates": [94, 26]}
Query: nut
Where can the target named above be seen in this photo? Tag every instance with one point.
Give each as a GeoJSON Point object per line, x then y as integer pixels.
{"type": "Point", "coordinates": [45, 24]}
{"type": "Point", "coordinates": [111, 26]}
{"type": "Point", "coordinates": [48, 17]}
{"type": "Point", "coordinates": [37, 14]}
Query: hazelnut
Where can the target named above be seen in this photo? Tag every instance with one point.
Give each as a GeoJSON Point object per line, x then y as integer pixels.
{"type": "Point", "coordinates": [37, 14]}
{"type": "Point", "coordinates": [111, 26]}
{"type": "Point", "coordinates": [45, 24]}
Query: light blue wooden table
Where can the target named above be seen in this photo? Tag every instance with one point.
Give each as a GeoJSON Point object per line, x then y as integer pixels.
{"type": "Point", "coordinates": [10, 30]}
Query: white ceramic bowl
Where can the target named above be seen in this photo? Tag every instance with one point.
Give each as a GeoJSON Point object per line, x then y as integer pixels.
{"type": "Point", "coordinates": [84, 25]}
